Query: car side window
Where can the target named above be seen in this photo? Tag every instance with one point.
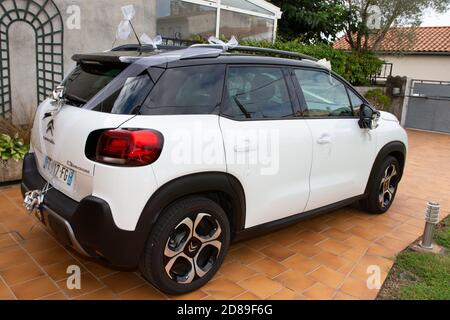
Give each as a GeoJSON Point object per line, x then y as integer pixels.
{"type": "Point", "coordinates": [325, 95]}
{"type": "Point", "coordinates": [356, 102]}
{"type": "Point", "coordinates": [256, 93]}
{"type": "Point", "coordinates": [186, 90]}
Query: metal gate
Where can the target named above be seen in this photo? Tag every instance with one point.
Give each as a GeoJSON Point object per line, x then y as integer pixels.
{"type": "Point", "coordinates": [429, 106]}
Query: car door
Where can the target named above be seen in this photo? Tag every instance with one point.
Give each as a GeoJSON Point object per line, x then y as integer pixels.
{"type": "Point", "coordinates": [267, 149]}
{"type": "Point", "coordinates": [343, 153]}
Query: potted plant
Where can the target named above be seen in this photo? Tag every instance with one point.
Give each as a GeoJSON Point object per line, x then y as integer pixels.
{"type": "Point", "coordinates": [12, 151]}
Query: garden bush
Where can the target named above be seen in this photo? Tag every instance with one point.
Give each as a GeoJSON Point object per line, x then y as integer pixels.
{"type": "Point", "coordinates": [355, 67]}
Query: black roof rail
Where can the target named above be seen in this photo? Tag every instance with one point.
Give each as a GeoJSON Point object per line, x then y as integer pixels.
{"type": "Point", "coordinates": [145, 48]}
{"type": "Point", "coordinates": [277, 52]}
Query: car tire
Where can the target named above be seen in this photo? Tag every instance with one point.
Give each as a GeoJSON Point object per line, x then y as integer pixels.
{"type": "Point", "coordinates": [186, 246]}
{"type": "Point", "coordinates": [383, 188]}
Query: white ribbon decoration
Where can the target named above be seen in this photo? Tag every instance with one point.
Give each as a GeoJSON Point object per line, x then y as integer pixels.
{"type": "Point", "coordinates": [155, 42]}
{"type": "Point", "coordinates": [232, 43]}
{"type": "Point", "coordinates": [128, 12]}
{"type": "Point", "coordinates": [124, 29]}
{"type": "Point", "coordinates": [324, 63]}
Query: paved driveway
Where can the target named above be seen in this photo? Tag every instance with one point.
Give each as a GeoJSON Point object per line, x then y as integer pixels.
{"type": "Point", "coordinates": [323, 258]}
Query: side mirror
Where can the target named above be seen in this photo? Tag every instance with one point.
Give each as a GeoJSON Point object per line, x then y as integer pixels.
{"type": "Point", "coordinates": [369, 117]}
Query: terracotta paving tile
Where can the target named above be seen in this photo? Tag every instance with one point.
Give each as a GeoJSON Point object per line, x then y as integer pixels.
{"type": "Point", "coordinates": [358, 289]}
{"type": "Point", "coordinates": [356, 242]}
{"type": "Point", "coordinates": [333, 246]}
{"type": "Point", "coordinates": [196, 295]}
{"type": "Point", "coordinates": [306, 249]}
{"type": "Point", "coordinates": [34, 289]}
{"type": "Point", "coordinates": [21, 273]}
{"type": "Point", "coordinates": [362, 270]}
{"type": "Point", "coordinates": [286, 237]}
{"type": "Point", "coordinates": [296, 281]}
{"type": "Point", "coordinates": [145, 292]}
{"type": "Point", "coordinates": [277, 252]}
{"type": "Point", "coordinates": [286, 294]}
{"type": "Point", "coordinates": [392, 243]}
{"type": "Point", "coordinates": [247, 296]}
{"type": "Point", "coordinates": [343, 296]}
{"type": "Point", "coordinates": [52, 256]}
{"type": "Point", "coordinates": [258, 243]}
{"type": "Point", "coordinates": [336, 234]}
{"type": "Point", "coordinates": [102, 294]}
{"type": "Point", "coordinates": [245, 255]}
{"type": "Point", "coordinates": [381, 251]}
{"type": "Point", "coordinates": [311, 237]}
{"type": "Point", "coordinates": [328, 277]}
{"type": "Point", "coordinates": [354, 254]}
{"type": "Point", "coordinates": [98, 269]}
{"type": "Point", "coordinates": [301, 264]}
{"type": "Point", "coordinates": [54, 297]}
{"type": "Point", "coordinates": [330, 260]}
{"type": "Point", "coordinates": [364, 232]}
{"type": "Point", "coordinates": [223, 289]}
{"type": "Point", "coordinates": [261, 286]}
{"type": "Point", "coordinates": [6, 242]}
{"type": "Point", "coordinates": [347, 268]}
{"type": "Point", "coordinates": [236, 271]}
{"type": "Point", "coordinates": [88, 284]}
{"type": "Point", "coordinates": [40, 244]}
{"type": "Point", "coordinates": [319, 291]}
{"type": "Point", "coordinates": [122, 281]}
{"type": "Point", "coordinates": [5, 292]}
{"type": "Point", "coordinates": [269, 267]}
{"type": "Point", "coordinates": [13, 256]}
{"type": "Point", "coordinates": [58, 271]}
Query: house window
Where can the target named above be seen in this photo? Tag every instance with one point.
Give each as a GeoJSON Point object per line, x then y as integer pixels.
{"type": "Point", "coordinates": [245, 19]}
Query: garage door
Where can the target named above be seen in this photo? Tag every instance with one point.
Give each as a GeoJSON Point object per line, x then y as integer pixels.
{"type": "Point", "coordinates": [429, 106]}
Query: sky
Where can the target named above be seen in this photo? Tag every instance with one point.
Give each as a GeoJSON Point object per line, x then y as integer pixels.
{"type": "Point", "coordinates": [431, 19]}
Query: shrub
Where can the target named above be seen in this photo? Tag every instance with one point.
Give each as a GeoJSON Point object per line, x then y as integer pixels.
{"type": "Point", "coordinates": [12, 148]}
{"type": "Point", "coordinates": [378, 99]}
{"type": "Point", "coordinates": [355, 67]}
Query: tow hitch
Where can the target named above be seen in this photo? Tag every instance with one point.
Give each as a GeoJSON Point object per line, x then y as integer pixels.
{"type": "Point", "coordinates": [34, 201]}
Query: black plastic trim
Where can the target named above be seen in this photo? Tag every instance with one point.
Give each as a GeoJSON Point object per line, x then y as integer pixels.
{"type": "Point", "coordinates": [201, 183]}
{"type": "Point", "coordinates": [285, 222]}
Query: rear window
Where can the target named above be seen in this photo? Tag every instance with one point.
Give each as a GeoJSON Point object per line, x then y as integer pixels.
{"type": "Point", "coordinates": [87, 80]}
{"type": "Point", "coordinates": [186, 90]}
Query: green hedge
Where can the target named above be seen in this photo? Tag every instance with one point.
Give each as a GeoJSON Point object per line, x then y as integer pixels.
{"type": "Point", "coordinates": [356, 68]}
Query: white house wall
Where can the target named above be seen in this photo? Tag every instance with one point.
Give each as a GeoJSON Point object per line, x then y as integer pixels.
{"type": "Point", "coordinates": [423, 67]}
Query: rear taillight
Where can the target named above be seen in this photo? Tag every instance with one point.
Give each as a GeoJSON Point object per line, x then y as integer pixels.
{"type": "Point", "coordinates": [129, 147]}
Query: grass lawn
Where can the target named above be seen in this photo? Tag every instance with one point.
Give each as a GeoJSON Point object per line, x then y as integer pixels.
{"type": "Point", "coordinates": [421, 276]}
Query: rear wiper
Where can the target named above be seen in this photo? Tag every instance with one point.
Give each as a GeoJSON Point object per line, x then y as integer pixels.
{"type": "Point", "coordinates": [74, 99]}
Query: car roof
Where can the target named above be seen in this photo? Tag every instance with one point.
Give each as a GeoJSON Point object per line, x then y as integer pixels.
{"type": "Point", "coordinates": [120, 54]}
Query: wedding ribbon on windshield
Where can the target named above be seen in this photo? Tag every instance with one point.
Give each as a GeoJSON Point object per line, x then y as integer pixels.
{"type": "Point", "coordinates": [232, 43]}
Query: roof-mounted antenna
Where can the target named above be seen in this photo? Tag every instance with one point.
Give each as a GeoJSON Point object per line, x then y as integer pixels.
{"type": "Point", "coordinates": [126, 26]}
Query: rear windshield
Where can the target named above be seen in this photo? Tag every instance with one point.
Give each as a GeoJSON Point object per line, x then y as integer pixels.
{"type": "Point", "coordinates": [87, 80]}
{"type": "Point", "coordinates": [146, 91]}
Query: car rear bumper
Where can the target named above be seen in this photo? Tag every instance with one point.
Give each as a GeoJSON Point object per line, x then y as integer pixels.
{"type": "Point", "coordinates": [86, 226]}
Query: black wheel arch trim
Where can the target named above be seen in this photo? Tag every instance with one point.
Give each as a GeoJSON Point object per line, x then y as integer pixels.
{"type": "Point", "coordinates": [392, 148]}
{"type": "Point", "coordinates": [194, 184]}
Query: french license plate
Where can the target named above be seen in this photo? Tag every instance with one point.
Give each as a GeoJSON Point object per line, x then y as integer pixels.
{"type": "Point", "coordinates": [60, 172]}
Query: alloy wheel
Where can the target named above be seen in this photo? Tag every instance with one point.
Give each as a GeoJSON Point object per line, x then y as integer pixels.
{"type": "Point", "coordinates": [388, 186]}
{"type": "Point", "coordinates": [192, 248]}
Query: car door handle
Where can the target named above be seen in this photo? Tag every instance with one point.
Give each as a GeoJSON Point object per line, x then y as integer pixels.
{"type": "Point", "coordinates": [245, 146]}
{"type": "Point", "coordinates": [325, 139]}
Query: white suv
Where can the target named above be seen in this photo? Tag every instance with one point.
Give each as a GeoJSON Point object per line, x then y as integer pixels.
{"type": "Point", "coordinates": [161, 158]}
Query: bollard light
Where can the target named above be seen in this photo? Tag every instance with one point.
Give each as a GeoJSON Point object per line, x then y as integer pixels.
{"type": "Point", "coordinates": [432, 219]}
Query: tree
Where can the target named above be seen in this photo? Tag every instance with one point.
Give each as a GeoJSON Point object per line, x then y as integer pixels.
{"type": "Point", "coordinates": [312, 21]}
{"type": "Point", "coordinates": [390, 13]}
